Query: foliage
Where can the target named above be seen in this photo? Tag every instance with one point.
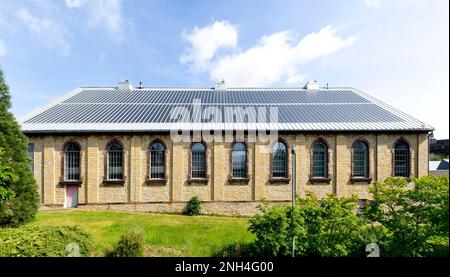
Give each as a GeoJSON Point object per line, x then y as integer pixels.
{"type": "Point", "coordinates": [438, 157]}
{"type": "Point", "coordinates": [416, 214]}
{"type": "Point", "coordinates": [42, 241]}
{"type": "Point", "coordinates": [131, 244]}
{"type": "Point", "coordinates": [193, 206]}
{"type": "Point", "coordinates": [237, 249]}
{"type": "Point", "coordinates": [6, 177]}
{"type": "Point", "coordinates": [21, 205]}
{"type": "Point", "coordinates": [328, 227]}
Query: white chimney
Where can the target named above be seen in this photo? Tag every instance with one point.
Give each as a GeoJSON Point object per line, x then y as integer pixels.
{"type": "Point", "coordinates": [124, 85]}
{"type": "Point", "coordinates": [220, 85]}
{"type": "Point", "coordinates": [311, 85]}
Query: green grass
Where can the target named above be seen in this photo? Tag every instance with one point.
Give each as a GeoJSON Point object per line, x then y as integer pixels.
{"type": "Point", "coordinates": [165, 235]}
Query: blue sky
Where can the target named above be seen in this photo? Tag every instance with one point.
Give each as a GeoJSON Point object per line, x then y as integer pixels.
{"type": "Point", "coordinates": [396, 50]}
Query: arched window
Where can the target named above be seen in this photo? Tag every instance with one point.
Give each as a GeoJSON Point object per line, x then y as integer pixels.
{"type": "Point", "coordinates": [360, 159]}
{"type": "Point", "coordinates": [72, 162]}
{"type": "Point", "coordinates": [279, 160]}
{"type": "Point", "coordinates": [401, 159]}
{"type": "Point", "coordinates": [157, 160]}
{"type": "Point", "coordinates": [239, 160]}
{"type": "Point", "coordinates": [319, 160]}
{"type": "Point", "coordinates": [198, 160]}
{"type": "Point", "coordinates": [115, 161]}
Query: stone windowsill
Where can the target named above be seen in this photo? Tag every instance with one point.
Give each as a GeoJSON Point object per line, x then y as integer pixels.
{"type": "Point", "coordinates": [361, 179]}
{"type": "Point", "coordinates": [156, 181]}
{"type": "Point", "coordinates": [279, 180]}
{"type": "Point", "coordinates": [239, 180]}
{"type": "Point", "coordinates": [114, 182]}
{"type": "Point", "coordinates": [71, 183]}
{"type": "Point", "coordinates": [198, 180]}
{"type": "Point", "coordinates": [319, 180]}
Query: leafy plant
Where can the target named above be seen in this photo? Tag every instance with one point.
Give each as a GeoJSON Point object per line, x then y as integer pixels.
{"type": "Point", "coordinates": [42, 241]}
{"type": "Point", "coordinates": [131, 244]}
{"type": "Point", "coordinates": [18, 191]}
{"type": "Point", "coordinates": [416, 214]}
{"type": "Point", "coordinates": [193, 206]}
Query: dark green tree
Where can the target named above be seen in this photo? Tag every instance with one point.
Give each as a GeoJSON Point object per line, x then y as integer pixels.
{"type": "Point", "coordinates": [22, 199]}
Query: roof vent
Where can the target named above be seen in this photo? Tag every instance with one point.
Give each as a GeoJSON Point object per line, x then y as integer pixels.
{"type": "Point", "coordinates": [220, 85]}
{"type": "Point", "coordinates": [124, 85]}
{"type": "Point", "coordinates": [311, 85]}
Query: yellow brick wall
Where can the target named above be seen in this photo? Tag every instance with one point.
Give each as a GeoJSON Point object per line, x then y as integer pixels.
{"type": "Point", "coordinates": [176, 189]}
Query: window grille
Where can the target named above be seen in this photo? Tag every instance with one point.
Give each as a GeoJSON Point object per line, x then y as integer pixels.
{"type": "Point", "coordinates": [72, 162]}
{"type": "Point", "coordinates": [401, 159]}
{"type": "Point", "coordinates": [239, 160]}
{"type": "Point", "coordinates": [279, 161]}
{"type": "Point", "coordinates": [115, 161]}
{"type": "Point", "coordinates": [198, 160]}
{"type": "Point", "coordinates": [31, 155]}
{"type": "Point", "coordinates": [320, 160]}
{"type": "Point", "coordinates": [157, 161]}
{"type": "Point", "coordinates": [361, 160]}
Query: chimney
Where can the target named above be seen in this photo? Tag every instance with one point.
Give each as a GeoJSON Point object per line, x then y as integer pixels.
{"type": "Point", "coordinates": [311, 85]}
{"type": "Point", "coordinates": [124, 85]}
{"type": "Point", "coordinates": [220, 86]}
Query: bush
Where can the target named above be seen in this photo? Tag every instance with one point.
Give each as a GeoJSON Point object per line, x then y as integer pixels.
{"type": "Point", "coordinates": [131, 244]}
{"type": "Point", "coordinates": [42, 241]}
{"type": "Point", "coordinates": [237, 249]}
{"type": "Point", "coordinates": [193, 206]}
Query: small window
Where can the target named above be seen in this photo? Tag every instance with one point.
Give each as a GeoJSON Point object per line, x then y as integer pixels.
{"type": "Point", "coordinates": [115, 162]}
{"type": "Point", "coordinates": [279, 160]}
{"type": "Point", "coordinates": [157, 157]}
{"type": "Point", "coordinates": [360, 159]}
{"type": "Point", "coordinates": [198, 160]}
{"type": "Point", "coordinates": [239, 160]}
{"type": "Point", "coordinates": [31, 155]}
{"type": "Point", "coordinates": [319, 160]}
{"type": "Point", "coordinates": [401, 159]}
{"type": "Point", "coordinates": [72, 162]}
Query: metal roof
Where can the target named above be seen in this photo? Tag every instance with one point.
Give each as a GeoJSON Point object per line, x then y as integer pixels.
{"type": "Point", "coordinates": [165, 109]}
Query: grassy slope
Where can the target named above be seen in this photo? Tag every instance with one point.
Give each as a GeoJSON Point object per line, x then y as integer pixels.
{"type": "Point", "coordinates": [165, 235]}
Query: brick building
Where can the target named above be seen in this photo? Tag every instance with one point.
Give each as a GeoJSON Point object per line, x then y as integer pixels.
{"type": "Point", "coordinates": [152, 149]}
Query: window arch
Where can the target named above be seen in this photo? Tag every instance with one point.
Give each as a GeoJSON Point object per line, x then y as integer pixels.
{"type": "Point", "coordinates": [198, 160]}
{"type": "Point", "coordinates": [114, 170]}
{"type": "Point", "coordinates": [360, 159]}
{"type": "Point", "coordinates": [239, 160]}
{"type": "Point", "coordinates": [279, 160]}
{"type": "Point", "coordinates": [157, 160]}
{"type": "Point", "coordinates": [72, 161]}
{"type": "Point", "coordinates": [319, 159]}
{"type": "Point", "coordinates": [401, 159]}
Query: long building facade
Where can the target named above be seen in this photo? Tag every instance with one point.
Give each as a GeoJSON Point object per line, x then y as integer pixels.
{"type": "Point", "coordinates": [128, 148]}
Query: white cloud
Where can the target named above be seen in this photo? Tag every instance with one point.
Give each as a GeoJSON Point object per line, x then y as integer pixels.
{"type": "Point", "coordinates": [276, 58]}
{"type": "Point", "coordinates": [2, 48]}
{"type": "Point", "coordinates": [51, 33]}
{"type": "Point", "coordinates": [373, 3]}
{"type": "Point", "coordinates": [205, 42]}
{"type": "Point", "coordinates": [106, 14]}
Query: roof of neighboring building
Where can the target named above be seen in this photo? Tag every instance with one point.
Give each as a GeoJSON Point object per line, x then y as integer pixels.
{"type": "Point", "coordinates": [111, 109]}
{"type": "Point", "coordinates": [438, 165]}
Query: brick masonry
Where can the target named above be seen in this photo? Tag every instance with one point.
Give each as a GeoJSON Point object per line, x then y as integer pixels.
{"type": "Point", "coordinates": [219, 195]}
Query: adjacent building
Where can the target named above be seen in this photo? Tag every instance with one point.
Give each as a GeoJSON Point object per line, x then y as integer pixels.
{"type": "Point", "coordinates": [152, 149]}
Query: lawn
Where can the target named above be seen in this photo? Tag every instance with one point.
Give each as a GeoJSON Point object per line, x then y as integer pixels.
{"type": "Point", "coordinates": [165, 235]}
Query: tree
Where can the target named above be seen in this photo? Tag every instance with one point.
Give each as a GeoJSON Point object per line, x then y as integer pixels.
{"type": "Point", "coordinates": [18, 185]}
{"type": "Point", "coordinates": [416, 214]}
{"type": "Point", "coordinates": [328, 228]}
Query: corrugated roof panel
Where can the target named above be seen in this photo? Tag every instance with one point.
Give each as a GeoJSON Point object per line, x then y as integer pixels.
{"type": "Point", "coordinates": [298, 109]}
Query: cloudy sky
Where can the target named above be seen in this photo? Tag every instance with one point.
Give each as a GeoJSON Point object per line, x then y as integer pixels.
{"type": "Point", "coordinates": [396, 50]}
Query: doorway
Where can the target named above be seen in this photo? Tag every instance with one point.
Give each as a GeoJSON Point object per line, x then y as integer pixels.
{"type": "Point", "coordinates": [71, 196]}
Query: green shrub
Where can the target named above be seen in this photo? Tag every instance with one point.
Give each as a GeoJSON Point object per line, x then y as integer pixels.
{"type": "Point", "coordinates": [42, 241]}
{"type": "Point", "coordinates": [193, 206]}
{"type": "Point", "coordinates": [237, 249]}
{"type": "Point", "coordinates": [131, 244]}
